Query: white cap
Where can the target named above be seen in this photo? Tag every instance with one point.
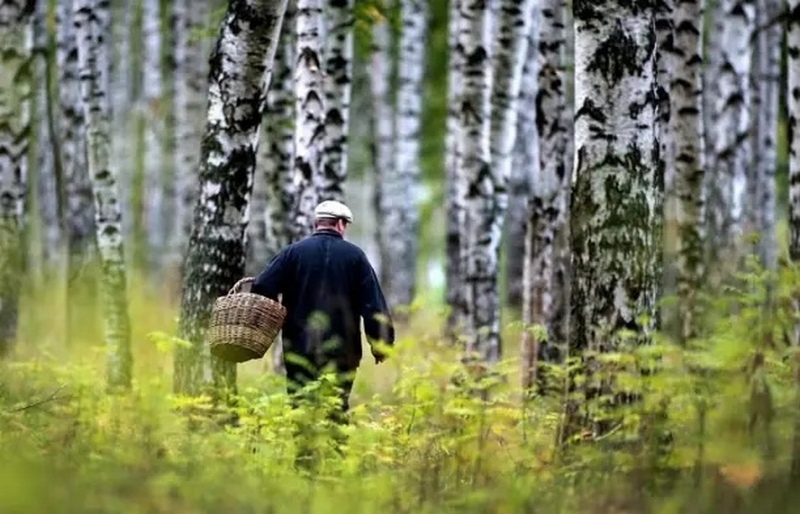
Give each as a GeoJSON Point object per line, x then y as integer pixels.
{"type": "Point", "coordinates": [332, 209]}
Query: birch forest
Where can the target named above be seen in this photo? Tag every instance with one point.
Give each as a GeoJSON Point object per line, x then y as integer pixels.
{"type": "Point", "coordinates": [584, 215]}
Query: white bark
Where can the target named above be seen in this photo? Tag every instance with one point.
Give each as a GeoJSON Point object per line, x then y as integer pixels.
{"type": "Point", "coordinates": [16, 91]}
{"type": "Point", "coordinates": [271, 199]}
{"type": "Point", "coordinates": [766, 85]}
{"type": "Point", "coordinates": [191, 72]}
{"type": "Point", "coordinates": [454, 181]}
{"type": "Point", "coordinates": [239, 75]}
{"type": "Point", "coordinates": [793, 101]}
{"type": "Point", "coordinates": [123, 79]}
{"type": "Point", "coordinates": [338, 55]}
{"type": "Point", "coordinates": [155, 155]}
{"type": "Point", "coordinates": [616, 201]}
{"type": "Point", "coordinates": [544, 297]}
{"type": "Point", "coordinates": [686, 98]}
{"type": "Point", "coordinates": [480, 234]}
{"type": "Point", "coordinates": [309, 136]}
{"type": "Point", "coordinates": [510, 50]}
{"type": "Point", "coordinates": [47, 182]}
{"type": "Point", "coordinates": [731, 93]}
{"type": "Point", "coordinates": [400, 182]}
{"type": "Point", "coordinates": [92, 56]}
{"type": "Point", "coordinates": [382, 124]}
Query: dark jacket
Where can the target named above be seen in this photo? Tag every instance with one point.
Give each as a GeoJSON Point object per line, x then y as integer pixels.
{"type": "Point", "coordinates": [327, 275]}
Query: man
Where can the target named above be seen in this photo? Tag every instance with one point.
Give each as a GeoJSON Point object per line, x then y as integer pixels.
{"type": "Point", "coordinates": [327, 285]}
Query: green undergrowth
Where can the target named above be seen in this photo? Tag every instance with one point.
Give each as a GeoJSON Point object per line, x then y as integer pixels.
{"type": "Point", "coordinates": [712, 432]}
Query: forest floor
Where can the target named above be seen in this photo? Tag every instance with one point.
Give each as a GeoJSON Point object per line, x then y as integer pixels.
{"type": "Point", "coordinates": [416, 442]}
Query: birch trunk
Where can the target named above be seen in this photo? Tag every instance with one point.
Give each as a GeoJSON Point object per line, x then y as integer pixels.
{"type": "Point", "coordinates": [124, 78]}
{"type": "Point", "coordinates": [509, 53]}
{"type": "Point", "coordinates": [766, 83]}
{"type": "Point", "coordinates": [380, 74]}
{"type": "Point", "coordinates": [16, 91]}
{"type": "Point", "coordinates": [281, 141]}
{"type": "Point", "coordinates": [92, 57]}
{"type": "Point", "coordinates": [731, 94]}
{"type": "Point", "coordinates": [548, 200]}
{"type": "Point", "coordinates": [454, 191]}
{"type": "Point", "coordinates": [400, 182]}
{"type": "Point", "coordinates": [155, 156]}
{"type": "Point", "coordinates": [240, 72]}
{"type": "Point", "coordinates": [79, 215]}
{"type": "Point", "coordinates": [686, 98]}
{"type": "Point", "coordinates": [616, 199]}
{"type": "Point", "coordinates": [338, 55]}
{"type": "Point", "coordinates": [191, 72]}
{"type": "Point", "coordinates": [47, 180]}
{"type": "Point", "coordinates": [480, 234]}
{"type": "Point", "coordinates": [793, 104]}
{"type": "Point", "coordinates": [309, 135]}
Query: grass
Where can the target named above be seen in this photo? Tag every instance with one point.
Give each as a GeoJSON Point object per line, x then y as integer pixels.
{"type": "Point", "coordinates": [416, 442]}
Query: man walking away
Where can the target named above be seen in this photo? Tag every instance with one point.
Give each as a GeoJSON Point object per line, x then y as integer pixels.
{"type": "Point", "coordinates": [327, 284]}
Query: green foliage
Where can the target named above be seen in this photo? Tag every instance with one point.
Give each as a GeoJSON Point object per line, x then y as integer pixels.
{"type": "Point", "coordinates": [711, 432]}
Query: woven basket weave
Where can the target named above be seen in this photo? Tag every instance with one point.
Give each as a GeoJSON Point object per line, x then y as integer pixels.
{"type": "Point", "coordinates": [244, 325]}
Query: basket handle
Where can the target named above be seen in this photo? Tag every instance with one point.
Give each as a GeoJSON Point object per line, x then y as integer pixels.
{"type": "Point", "coordinates": [238, 285]}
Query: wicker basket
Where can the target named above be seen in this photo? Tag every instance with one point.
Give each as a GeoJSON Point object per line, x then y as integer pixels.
{"type": "Point", "coordinates": [244, 325]}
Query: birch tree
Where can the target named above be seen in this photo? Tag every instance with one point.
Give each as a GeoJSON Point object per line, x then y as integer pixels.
{"type": "Point", "coordinates": [761, 204]}
{"type": "Point", "coordinates": [155, 155]}
{"type": "Point", "coordinates": [124, 86]}
{"type": "Point", "coordinates": [454, 181]}
{"type": "Point", "coordinates": [79, 212]}
{"type": "Point", "coordinates": [382, 124]}
{"type": "Point", "coordinates": [309, 132]}
{"type": "Point", "coordinates": [400, 181]}
{"type": "Point", "coordinates": [616, 201]}
{"type": "Point", "coordinates": [509, 53]}
{"type": "Point", "coordinates": [16, 91]}
{"type": "Point", "coordinates": [239, 75]}
{"type": "Point", "coordinates": [479, 234]}
{"type": "Point", "coordinates": [190, 76]}
{"type": "Point", "coordinates": [548, 199]}
{"type": "Point", "coordinates": [793, 105]}
{"type": "Point", "coordinates": [92, 58]}
{"type": "Point", "coordinates": [47, 183]}
{"type": "Point", "coordinates": [731, 103]}
{"type": "Point", "coordinates": [686, 103]}
{"type": "Point", "coordinates": [337, 85]}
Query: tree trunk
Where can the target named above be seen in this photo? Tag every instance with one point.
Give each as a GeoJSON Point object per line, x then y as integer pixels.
{"type": "Point", "coordinates": [509, 53]}
{"type": "Point", "coordinates": [382, 124]}
{"type": "Point", "coordinates": [92, 58]}
{"type": "Point", "coordinates": [480, 234]}
{"type": "Point", "coordinates": [338, 55]}
{"type": "Point", "coordinates": [686, 98]}
{"type": "Point", "coordinates": [731, 104]}
{"type": "Point", "coordinates": [240, 73]}
{"type": "Point", "coordinates": [793, 104]}
{"type": "Point", "coordinates": [309, 135]}
{"type": "Point", "coordinates": [47, 180]}
{"type": "Point", "coordinates": [79, 212]}
{"type": "Point", "coordinates": [400, 182]}
{"type": "Point", "coordinates": [16, 91]}
{"type": "Point", "coordinates": [548, 200]}
{"type": "Point", "coordinates": [155, 155]}
{"type": "Point", "coordinates": [191, 72]}
{"type": "Point", "coordinates": [766, 83]}
{"type": "Point", "coordinates": [617, 197]}
{"type": "Point", "coordinates": [454, 191]}
{"type": "Point", "coordinates": [124, 80]}
{"type": "Point", "coordinates": [275, 157]}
